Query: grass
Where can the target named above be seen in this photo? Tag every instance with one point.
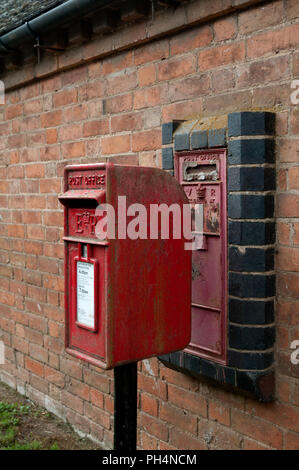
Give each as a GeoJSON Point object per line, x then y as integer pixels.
{"type": "Point", "coordinates": [11, 416]}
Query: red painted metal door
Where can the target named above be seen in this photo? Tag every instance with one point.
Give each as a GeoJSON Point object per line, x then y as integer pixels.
{"type": "Point", "coordinates": [203, 177]}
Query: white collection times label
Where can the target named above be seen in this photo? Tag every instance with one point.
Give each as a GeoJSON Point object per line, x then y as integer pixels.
{"type": "Point", "coordinates": [85, 294]}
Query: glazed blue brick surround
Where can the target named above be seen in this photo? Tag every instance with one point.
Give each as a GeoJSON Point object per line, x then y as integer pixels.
{"type": "Point", "coordinates": [250, 142]}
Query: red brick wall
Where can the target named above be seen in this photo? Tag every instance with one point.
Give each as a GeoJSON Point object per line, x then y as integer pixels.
{"type": "Point", "coordinates": [113, 108]}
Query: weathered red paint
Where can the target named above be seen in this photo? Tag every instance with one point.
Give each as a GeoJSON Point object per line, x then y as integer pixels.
{"type": "Point", "coordinates": [142, 288]}
{"type": "Point", "coordinates": [202, 174]}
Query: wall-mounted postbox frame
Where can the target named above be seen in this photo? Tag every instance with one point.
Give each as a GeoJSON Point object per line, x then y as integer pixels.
{"type": "Point", "coordinates": [125, 299]}
{"type": "Point", "coordinates": [202, 174]}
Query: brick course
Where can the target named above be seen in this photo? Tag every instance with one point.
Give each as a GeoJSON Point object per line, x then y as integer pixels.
{"type": "Point", "coordinates": [243, 61]}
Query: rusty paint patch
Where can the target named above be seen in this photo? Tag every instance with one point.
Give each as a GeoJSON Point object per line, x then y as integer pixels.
{"type": "Point", "coordinates": [195, 271]}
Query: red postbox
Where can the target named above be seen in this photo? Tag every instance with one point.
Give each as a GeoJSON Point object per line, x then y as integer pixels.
{"type": "Point", "coordinates": [202, 174]}
{"type": "Point", "coordinates": [125, 299]}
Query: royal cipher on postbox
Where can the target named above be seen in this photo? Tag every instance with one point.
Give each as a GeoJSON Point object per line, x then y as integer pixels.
{"type": "Point", "coordinates": [125, 299]}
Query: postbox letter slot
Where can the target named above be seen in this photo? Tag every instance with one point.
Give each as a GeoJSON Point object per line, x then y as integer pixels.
{"type": "Point", "coordinates": [194, 171]}
{"type": "Point", "coordinates": [82, 198]}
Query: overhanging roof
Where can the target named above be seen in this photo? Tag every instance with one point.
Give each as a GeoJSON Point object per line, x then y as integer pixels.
{"type": "Point", "coordinates": [14, 13]}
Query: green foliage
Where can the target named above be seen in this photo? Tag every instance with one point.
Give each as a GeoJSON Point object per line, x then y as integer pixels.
{"type": "Point", "coordinates": [34, 445]}
{"type": "Point", "coordinates": [11, 415]}
{"type": "Point", "coordinates": [54, 446]}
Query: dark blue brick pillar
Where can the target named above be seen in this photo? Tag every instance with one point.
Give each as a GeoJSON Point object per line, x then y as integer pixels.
{"type": "Point", "coordinates": [168, 130]}
{"type": "Point", "coordinates": [251, 236]}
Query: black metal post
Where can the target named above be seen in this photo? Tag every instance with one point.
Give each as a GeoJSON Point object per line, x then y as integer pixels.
{"type": "Point", "coordinates": [125, 407]}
